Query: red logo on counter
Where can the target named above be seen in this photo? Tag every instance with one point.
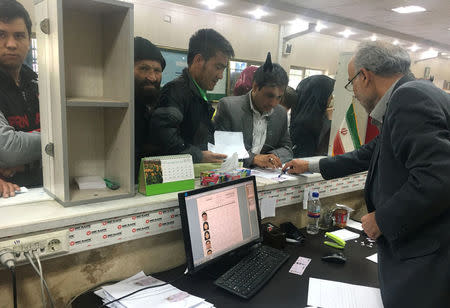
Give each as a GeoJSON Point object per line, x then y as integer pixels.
{"type": "Point", "coordinates": [72, 243]}
{"type": "Point", "coordinates": [88, 233]}
{"type": "Point", "coordinates": [147, 221]}
{"type": "Point", "coordinates": [105, 236]}
{"type": "Point", "coordinates": [119, 227]}
{"type": "Point", "coordinates": [72, 229]}
{"type": "Point", "coordinates": [133, 230]}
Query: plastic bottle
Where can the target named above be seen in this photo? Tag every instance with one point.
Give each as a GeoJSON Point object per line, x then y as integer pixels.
{"type": "Point", "coordinates": [313, 213]}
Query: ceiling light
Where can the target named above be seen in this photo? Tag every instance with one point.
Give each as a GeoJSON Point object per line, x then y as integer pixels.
{"type": "Point", "coordinates": [258, 13]}
{"type": "Point", "coordinates": [430, 53]}
{"type": "Point", "coordinates": [396, 42]}
{"type": "Point", "coordinates": [346, 33]}
{"type": "Point", "coordinates": [444, 53]}
{"type": "Point", "coordinates": [373, 38]}
{"type": "Point", "coordinates": [414, 48]}
{"type": "Point", "coordinates": [212, 4]}
{"type": "Point", "coordinates": [409, 9]}
{"type": "Point", "coordinates": [320, 26]}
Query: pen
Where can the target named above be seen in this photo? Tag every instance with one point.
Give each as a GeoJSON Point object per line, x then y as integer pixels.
{"type": "Point", "coordinates": [284, 171]}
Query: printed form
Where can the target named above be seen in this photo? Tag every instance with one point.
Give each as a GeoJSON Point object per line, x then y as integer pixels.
{"type": "Point", "coordinates": [334, 294]}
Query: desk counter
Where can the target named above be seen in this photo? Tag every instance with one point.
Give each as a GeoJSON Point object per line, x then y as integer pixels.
{"type": "Point", "coordinates": [105, 223]}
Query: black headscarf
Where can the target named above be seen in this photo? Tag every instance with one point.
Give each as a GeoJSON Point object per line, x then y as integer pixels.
{"type": "Point", "coordinates": [308, 115]}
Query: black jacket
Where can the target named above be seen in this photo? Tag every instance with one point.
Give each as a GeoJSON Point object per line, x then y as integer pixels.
{"type": "Point", "coordinates": [19, 105]}
{"type": "Point", "coordinates": [407, 186]}
{"type": "Point", "coordinates": [182, 122]}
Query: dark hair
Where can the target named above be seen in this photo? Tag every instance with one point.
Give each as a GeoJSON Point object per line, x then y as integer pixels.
{"type": "Point", "coordinates": [208, 42]}
{"type": "Point", "coordinates": [276, 77]}
{"type": "Point", "coordinates": [289, 98]}
{"type": "Point", "coordinates": [11, 9]}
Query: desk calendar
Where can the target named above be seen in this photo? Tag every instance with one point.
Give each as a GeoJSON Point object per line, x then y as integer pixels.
{"type": "Point", "coordinates": [163, 174]}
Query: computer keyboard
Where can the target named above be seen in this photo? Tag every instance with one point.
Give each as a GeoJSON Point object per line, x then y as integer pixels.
{"type": "Point", "coordinates": [252, 272]}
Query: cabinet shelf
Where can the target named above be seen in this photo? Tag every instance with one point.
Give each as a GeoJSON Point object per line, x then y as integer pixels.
{"type": "Point", "coordinates": [95, 102]}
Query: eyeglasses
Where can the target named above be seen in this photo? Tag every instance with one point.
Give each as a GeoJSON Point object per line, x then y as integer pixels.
{"type": "Point", "coordinates": [349, 85]}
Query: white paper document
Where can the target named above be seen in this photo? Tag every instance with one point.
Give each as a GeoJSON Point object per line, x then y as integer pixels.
{"type": "Point", "coordinates": [26, 196]}
{"type": "Point", "coordinates": [267, 206]}
{"type": "Point", "coordinates": [90, 182]}
{"type": "Point", "coordinates": [272, 174]}
{"type": "Point", "coordinates": [354, 224]}
{"type": "Point", "coordinates": [345, 234]}
{"type": "Point", "coordinates": [229, 143]}
{"type": "Point", "coordinates": [373, 258]}
{"type": "Point", "coordinates": [299, 266]}
{"type": "Point", "coordinates": [334, 294]}
{"type": "Point", "coordinates": [157, 297]}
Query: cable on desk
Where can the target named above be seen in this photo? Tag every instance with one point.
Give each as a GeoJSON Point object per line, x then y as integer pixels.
{"type": "Point", "coordinates": [94, 288]}
{"type": "Point", "coordinates": [137, 291]}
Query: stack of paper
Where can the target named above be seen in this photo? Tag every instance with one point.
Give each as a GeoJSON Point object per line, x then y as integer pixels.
{"type": "Point", "coordinates": [90, 182]}
{"type": "Point", "coordinates": [345, 234]}
{"type": "Point", "coordinates": [156, 297]}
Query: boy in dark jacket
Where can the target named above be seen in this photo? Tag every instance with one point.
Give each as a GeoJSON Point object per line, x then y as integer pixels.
{"type": "Point", "coordinates": [182, 122]}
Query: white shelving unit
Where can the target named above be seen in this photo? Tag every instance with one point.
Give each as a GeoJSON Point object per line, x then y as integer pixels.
{"type": "Point", "coordinates": [86, 85]}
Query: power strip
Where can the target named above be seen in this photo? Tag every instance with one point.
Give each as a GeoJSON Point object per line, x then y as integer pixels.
{"type": "Point", "coordinates": [46, 244]}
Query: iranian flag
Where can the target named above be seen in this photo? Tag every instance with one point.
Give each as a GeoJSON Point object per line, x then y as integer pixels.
{"type": "Point", "coordinates": [347, 137]}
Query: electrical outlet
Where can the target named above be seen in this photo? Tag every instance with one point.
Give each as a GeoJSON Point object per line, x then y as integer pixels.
{"type": "Point", "coordinates": [46, 244]}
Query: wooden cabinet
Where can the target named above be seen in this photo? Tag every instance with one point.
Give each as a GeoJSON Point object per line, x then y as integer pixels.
{"type": "Point", "coordinates": [86, 94]}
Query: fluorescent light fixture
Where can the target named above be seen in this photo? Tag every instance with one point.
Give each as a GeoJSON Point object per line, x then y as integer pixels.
{"type": "Point", "coordinates": [444, 53]}
{"type": "Point", "coordinates": [212, 4]}
{"type": "Point", "coordinates": [409, 9]}
{"type": "Point", "coordinates": [346, 33]}
{"type": "Point", "coordinates": [299, 25]}
{"type": "Point", "coordinates": [373, 38]}
{"type": "Point", "coordinates": [414, 48]}
{"type": "Point", "coordinates": [396, 42]}
{"type": "Point", "coordinates": [258, 13]}
{"type": "Point", "coordinates": [320, 26]}
{"type": "Point", "coordinates": [430, 53]}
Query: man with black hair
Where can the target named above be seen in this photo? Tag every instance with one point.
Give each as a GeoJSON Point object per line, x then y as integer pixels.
{"type": "Point", "coordinates": [148, 67]}
{"type": "Point", "coordinates": [20, 139]}
{"type": "Point", "coordinates": [182, 122]}
{"type": "Point", "coordinates": [260, 118]}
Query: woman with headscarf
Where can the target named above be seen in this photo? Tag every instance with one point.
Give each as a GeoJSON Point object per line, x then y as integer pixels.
{"type": "Point", "coordinates": [310, 125]}
{"type": "Point", "coordinates": [245, 81]}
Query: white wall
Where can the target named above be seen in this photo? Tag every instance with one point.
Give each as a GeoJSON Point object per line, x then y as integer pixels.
{"type": "Point", "coordinates": [315, 50]}
{"type": "Point", "coordinates": [251, 39]}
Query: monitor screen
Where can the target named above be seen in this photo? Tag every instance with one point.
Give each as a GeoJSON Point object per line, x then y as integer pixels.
{"type": "Point", "coordinates": [219, 219]}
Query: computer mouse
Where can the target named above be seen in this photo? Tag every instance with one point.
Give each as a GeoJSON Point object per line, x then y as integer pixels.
{"type": "Point", "coordinates": [335, 257]}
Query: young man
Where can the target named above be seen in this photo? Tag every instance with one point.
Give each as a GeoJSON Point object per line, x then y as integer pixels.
{"type": "Point", "coordinates": [182, 122]}
{"type": "Point", "coordinates": [148, 67]}
{"type": "Point", "coordinates": [408, 177]}
{"type": "Point", "coordinates": [20, 139]}
{"type": "Point", "coordinates": [260, 118]}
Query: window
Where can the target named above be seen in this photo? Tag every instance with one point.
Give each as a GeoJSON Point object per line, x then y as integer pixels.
{"type": "Point", "coordinates": [297, 74]}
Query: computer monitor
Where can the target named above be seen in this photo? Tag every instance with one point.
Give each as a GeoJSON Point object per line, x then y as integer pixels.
{"type": "Point", "coordinates": [218, 220]}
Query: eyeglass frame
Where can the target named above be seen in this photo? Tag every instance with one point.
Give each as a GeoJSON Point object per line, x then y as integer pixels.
{"type": "Point", "coordinates": [351, 82]}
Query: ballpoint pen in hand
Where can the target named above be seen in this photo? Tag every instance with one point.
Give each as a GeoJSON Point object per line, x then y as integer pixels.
{"type": "Point", "coordinates": [284, 171]}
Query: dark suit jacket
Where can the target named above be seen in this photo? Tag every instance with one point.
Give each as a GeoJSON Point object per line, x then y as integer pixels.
{"type": "Point", "coordinates": [234, 114]}
{"type": "Point", "coordinates": [408, 185]}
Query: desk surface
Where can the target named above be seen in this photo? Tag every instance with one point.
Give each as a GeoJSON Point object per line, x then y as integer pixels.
{"type": "Point", "coordinates": [284, 289]}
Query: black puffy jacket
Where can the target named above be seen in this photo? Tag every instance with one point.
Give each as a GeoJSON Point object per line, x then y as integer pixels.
{"type": "Point", "coordinates": [182, 122]}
